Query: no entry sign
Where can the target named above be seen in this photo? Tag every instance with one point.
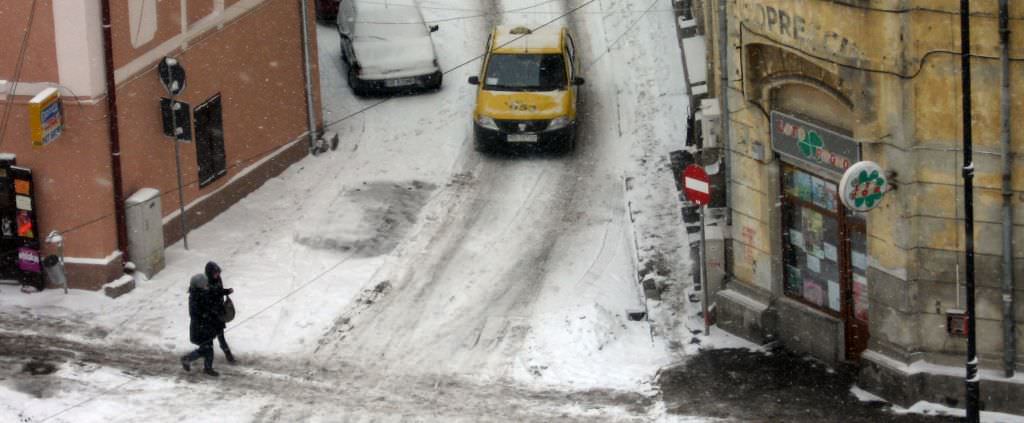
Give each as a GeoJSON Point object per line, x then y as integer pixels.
{"type": "Point", "coordinates": [695, 185]}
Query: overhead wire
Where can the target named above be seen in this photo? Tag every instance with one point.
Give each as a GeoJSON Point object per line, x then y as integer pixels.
{"type": "Point", "coordinates": [371, 106]}
{"type": "Point", "coordinates": [464, 63]}
{"type": "Point", "coordinates": [344, 259]}
{"type": "Point", "coordinates": [17, 71]}
{"type": "Point", "coordinates": [910, 75]}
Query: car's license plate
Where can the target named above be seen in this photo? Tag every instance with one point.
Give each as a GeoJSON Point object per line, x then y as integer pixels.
{"type": "Point", "coordinates": [522, 137]}
{"type": "Point", "coordinates": [400, 82]}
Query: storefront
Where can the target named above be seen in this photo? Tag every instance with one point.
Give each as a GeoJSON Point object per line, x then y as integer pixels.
{"type": "Point", "coordinates": [824, 243]}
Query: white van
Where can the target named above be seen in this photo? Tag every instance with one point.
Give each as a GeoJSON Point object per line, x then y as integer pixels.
{"type": "Point", "coordinates": [387, 47]}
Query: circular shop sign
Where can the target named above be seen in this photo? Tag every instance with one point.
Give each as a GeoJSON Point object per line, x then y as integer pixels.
{"type": "Point", "coordinates": [863, 186]}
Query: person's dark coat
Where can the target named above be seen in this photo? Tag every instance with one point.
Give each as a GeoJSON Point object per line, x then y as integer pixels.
{"type": "Point", "coordinates": [204, 322]}
{"type": "Point", "coordinates": [217, 291]}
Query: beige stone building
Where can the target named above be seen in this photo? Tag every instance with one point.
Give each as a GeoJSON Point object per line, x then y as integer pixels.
{"type": "Point", "coordinates": [245, 84]}
{"type": "Point", "coordinates": [815, 86]}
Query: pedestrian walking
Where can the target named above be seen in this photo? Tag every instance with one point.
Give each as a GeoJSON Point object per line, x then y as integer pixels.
{"type": "Point", "coordinates": [203, 324]}
{"type": "Point", "coordinates": [217, 295]}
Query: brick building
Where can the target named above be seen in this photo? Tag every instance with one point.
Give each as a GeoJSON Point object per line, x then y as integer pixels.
{"type": "Point", "coordinates": [245, 84]}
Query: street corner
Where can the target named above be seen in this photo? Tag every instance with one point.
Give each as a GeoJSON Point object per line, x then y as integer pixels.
{"type": "Point", "coordinates": [748, 385]}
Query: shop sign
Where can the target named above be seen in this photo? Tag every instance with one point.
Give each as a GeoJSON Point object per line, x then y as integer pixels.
{"type": "Point", "coordinates": [46, 117]}
{"type": "Point", "coordinates": [801, 28]}
{"type": "Point", "coordinates": [863, 186]}
{"type": "Point", "coordinates": [813, 144]}
{"type": "Point", "coordinates": [28, 260]}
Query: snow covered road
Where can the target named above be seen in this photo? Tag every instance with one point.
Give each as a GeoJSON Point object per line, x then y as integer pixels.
{"type": "Point", "coordinates": [404, 276]}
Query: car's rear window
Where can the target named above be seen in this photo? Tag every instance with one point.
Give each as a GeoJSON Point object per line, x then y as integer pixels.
{"type": "Point", "coordinates": [525, 72]}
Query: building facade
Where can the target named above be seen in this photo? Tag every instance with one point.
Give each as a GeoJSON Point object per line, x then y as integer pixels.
{"type": "Point", "coordinates": [246, 97]}
{"type": "Point", "coordinates": [816, 86]}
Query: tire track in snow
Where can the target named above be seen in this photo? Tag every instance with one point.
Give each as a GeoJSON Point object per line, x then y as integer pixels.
{"type": "Point", "coordinates": [282, 389]}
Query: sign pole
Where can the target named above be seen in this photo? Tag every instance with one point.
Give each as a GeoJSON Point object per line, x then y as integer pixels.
{"type": "Point", "coordinates": [696, 186]}
{"type": "Point", "coordinates": [177, 165]}
{"type": "Point", "coordinates": [172, 76]}
{"type": "Point", "coordinates": [704, 274]}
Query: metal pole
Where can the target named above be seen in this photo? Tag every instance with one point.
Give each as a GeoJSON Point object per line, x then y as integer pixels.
{"type": "Point", "coordinates": [1009, 322]}
{"type": "Point", "coordinates": [60, 256]}
{"type": "Point", "coordinates": [177, 166]}
{"type": "Point", "coordinates": [971, 376]}
{"type": "Point", "coordinates": [704, 274]}
{"type": "Point", "coordinates": [309, 77]}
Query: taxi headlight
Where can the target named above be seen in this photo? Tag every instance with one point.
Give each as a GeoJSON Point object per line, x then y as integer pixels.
{"type": "Point", "coordinates": [559, 123]}
{"type": "Point", "coordinates": [486, 122]}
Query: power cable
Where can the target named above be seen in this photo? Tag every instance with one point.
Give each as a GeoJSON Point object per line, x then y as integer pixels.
{"type": "Point", "coordinates": [369, 107]}
{"type": "Point", "coordinates": [914, 9]}
{"type": "Point", "coordinates": [608, 48]}
{"type": "Point", "coordinates": [344, 259]}
{"type": "Point", "coordinates": [17, 71]}
{"type": "Point", "coordinates": [292, 292]}
{"type": "Point", "coordinates": [464, 63]}
{"type": "Point", "coordinates": [911, 75]}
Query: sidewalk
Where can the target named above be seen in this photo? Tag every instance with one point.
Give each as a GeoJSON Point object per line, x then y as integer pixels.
{"type": "Point", "coordinates": [777, 386]}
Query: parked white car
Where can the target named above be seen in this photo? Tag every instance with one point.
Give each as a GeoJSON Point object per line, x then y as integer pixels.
{"type": "Point", "coordinates": [387, 47]}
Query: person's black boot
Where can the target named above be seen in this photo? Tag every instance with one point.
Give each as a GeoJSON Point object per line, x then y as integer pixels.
{"type": "Point", "coordinates": [185, 364]}
{"type": "Point", "coordinates": [229, 357]}
{"type": "Point", "coordinates": [210, 372]}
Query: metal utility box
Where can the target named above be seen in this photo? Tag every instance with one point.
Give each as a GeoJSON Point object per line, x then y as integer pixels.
{"type": "Point", "coordinates": [145, 231]}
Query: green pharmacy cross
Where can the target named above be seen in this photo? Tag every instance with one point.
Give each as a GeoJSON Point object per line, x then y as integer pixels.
{"type": "Point", "coordinates": [863, 186]}
{"type": "Point", "coordinates": [810, 143]}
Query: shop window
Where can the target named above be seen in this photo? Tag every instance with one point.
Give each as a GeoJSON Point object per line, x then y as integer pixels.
{"type": "Point", "coordinates": [210, 154]}
{"type": "Point", "coordinates": [824, 247]}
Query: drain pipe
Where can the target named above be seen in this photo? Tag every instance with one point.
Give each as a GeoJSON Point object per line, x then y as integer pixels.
{"type": "Point", "coordinates": [723, 53]}
{"type": "Point", "coordinates": [115, 140]}
{"type": "Point", "coordinates": [1009, 338]}
{"type": "Point", "coordinates": [303, 11]}
{"type": "Point", "coordinates": [723, 48]}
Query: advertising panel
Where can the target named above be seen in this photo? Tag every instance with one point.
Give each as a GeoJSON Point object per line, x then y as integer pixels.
{"type": "Point", "coordinates": [46, 117]}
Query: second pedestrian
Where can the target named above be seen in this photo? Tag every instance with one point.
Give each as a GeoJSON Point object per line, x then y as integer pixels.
{"type": "Point", "coordinates": [204, 324]}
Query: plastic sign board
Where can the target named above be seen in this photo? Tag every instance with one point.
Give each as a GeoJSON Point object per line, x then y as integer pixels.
{"type": "Point", "coordinates": [805, 142]}
{"type": "Point", "coordinates": [46, 117]}
{"type": "Point", "coordinates": [177, 119]}
{"type": "Point", "coordinates": [696, 185]}
{"type": "Point", "coordinates": [172, 75]}
{"type": "Point", "coordinates": [863, 186]}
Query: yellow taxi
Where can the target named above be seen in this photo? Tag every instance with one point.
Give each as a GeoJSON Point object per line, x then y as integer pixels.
{"type": "Point", "coordinates": [527, 89]}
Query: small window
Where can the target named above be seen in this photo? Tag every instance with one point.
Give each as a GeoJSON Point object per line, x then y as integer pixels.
{"type": "Point", "coordinates": [210, 141]}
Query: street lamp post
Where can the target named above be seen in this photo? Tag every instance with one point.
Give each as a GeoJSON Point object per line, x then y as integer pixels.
{"type": "Point", "coordinates": [971, 377]}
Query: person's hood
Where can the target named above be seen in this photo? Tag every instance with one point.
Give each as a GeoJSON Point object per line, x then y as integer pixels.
{"type": "Point", "coordinates": [198, 282]}
{"type": "Point", "coordinates": [518, 105]}
{"type": "Point", "coordinates": [380, 59]}
{"type": "Point", "coordinates": [211, 268]}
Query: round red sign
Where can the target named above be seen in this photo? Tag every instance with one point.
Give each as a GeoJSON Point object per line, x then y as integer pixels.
{"type": "Point", "coordinates": [696, 185]}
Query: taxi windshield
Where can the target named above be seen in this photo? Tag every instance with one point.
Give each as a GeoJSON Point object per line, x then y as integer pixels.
{"type": "Point", "coordinates": [525, 72]}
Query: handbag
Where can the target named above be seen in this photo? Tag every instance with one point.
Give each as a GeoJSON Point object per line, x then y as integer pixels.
{"type": "Point", "coordinates": [229, 310]}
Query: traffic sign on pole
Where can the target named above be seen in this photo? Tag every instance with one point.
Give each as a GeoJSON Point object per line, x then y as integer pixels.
{"type": "Point", "coordinates": [696, 185]}
{"type": "Point", "coordinates": [172, 75]}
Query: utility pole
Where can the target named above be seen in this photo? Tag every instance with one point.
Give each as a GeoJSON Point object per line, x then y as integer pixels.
{"type": "Point", "coordinates": [971, 377]}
